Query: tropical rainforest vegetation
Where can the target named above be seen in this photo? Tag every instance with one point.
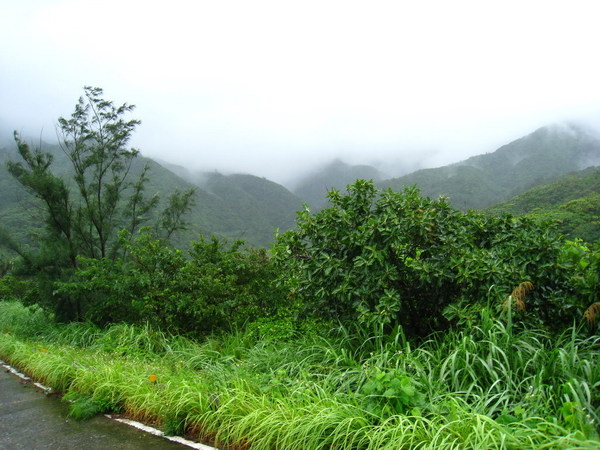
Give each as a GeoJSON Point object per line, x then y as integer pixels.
{"type": "Point", "coordinates": [385, 320]}
{"type": "Point", "coordinates": [572, 201]}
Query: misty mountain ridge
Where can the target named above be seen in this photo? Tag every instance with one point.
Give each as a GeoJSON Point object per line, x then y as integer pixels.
{"type": "Point", "coordinates": [483, 180]}
{"type": "Point", "coordinates": [243, 206]}
{"type": "Point", "coordinates": [257, 198]}
{"type": "Point", "coordinates": [237, 207]}
{"type": "Point", "coordinates": [474, 183]}
{"type": "Point", "coordinates": [548, 141]}
{"type": "Point", "coordinates": [312, 188]}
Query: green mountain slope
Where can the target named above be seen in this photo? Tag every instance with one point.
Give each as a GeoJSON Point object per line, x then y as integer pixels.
{"type": "Point", "coordinates": [262, 205]}
{"type": "Point", "coordinates": [251, 208]}
{"type": "Point", "coordinates": [259, 200]}
{"type": "Point", "coordinates": [483, 180]}
{"type": "Point", "coordinates": [573, 200]}
{"type": "Point", "coordinates": [236, 207]}
{"type": "Point", "coordinates": [336, 175]}
{"type": "Point", "coordinates": [20, 214]}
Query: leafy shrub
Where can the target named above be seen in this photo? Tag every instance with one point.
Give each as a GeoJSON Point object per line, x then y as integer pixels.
{"type": "Point", "coordinates": [389, 393]}
{"type": "Point", "coordinates": [12, 288]}
{"type": "Point", "coordinates": [583, 262]}
{"type": "Point", "coordinates": [83, 407]}
{"type": "Point", "coordinates": [216, 287]}
{"type": "Point", "coordinates": [273, 329]}
{"type": "Point", "coordinates": [400, 258]}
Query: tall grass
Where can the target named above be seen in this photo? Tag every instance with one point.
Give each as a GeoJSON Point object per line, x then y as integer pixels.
{"type": "Point", "coordinates": [484, 387]}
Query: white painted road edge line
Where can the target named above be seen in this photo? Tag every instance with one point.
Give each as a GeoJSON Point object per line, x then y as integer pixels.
{"type": "Point", "coordinates": [156, 432]}
{"type": "Point", "coordinates": [24, 377]}
{"type": "Point", "coordinates": [41, 386]}
{"type": "Point", "coordinates": [14, 371]}
{"type": "Point", "coordinates": [131, 423]}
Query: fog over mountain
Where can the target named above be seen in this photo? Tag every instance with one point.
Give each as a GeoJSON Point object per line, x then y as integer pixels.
{"type": "Point", "coordinates": [249, 207]}
{"type": "Point", "coordinates": [277, 88]}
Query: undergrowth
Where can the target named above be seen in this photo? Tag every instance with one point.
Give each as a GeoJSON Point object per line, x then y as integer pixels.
{"type": "Point", "coordinates": [485, 386]}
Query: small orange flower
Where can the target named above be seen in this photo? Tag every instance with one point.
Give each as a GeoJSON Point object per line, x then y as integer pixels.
{"type": "Point", "coordinates": [152, 378]}
{"type": "Point", "coordinates": [43, 350]}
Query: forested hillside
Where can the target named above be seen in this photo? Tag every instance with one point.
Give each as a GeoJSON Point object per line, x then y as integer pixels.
{"type": "Point", "coordinates": [251, 208]}
{"type": "Point", "coordinates": [572, 200]}
{"type": "Point", "coordinates": [258, 200]}
{"type": "Point", "coordinates": [20, 213]}
{"type": "Point", "coordinates": [483, 180]}
{"type": "Point", "coordinates": [260, 204]}
{"type": "Point", "coordinates": [235, 207]}
{"type": "Point", "coordinates": [337, 175]}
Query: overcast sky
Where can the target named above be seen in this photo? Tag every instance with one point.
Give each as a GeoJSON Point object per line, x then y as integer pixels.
{"type": "Point", "coordinates": [272, 87]}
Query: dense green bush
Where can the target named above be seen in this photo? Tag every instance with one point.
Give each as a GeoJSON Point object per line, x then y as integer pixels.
{"type": "Point", "coordinates": [583, 261]}
{"type": "Point", "coordinates": [215, 287]}
{"type": "Point", "coordinates": [399, 258]}
{"type": "Point", "coordinates": [13, 288]}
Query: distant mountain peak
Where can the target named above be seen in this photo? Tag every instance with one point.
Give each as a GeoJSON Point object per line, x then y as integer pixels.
{"type": "Point", "coordinates": [336, 174]}
{"type": "Point", "coordinates": [572, 128]}
{"type": "Point", "coordinates": [482, 180]}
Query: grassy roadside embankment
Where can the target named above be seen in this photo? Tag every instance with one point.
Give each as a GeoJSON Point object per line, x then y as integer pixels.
{"type": "Point", "coordinates": [487, 386]}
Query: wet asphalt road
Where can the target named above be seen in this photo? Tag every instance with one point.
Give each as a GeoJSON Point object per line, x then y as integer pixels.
{"type": "Point", "coordinates": [31, 420]}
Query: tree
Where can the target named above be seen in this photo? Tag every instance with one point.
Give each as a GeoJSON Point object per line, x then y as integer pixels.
{"type": "Point", "coordinates": [387, 258]}
{"type": "Point", "coordinates": [95, 140]}
{"type": "Point", "coordinates": [171, 218]}
{"type": "Point", "coordinates": [83, 217]}
{"type": "Point", "coordinates": [35, 176]}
